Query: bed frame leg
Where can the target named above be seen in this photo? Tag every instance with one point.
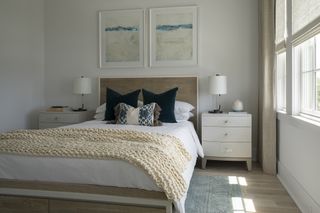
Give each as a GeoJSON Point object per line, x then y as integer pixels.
{"type": "Point", "coordinates": [169, 208]}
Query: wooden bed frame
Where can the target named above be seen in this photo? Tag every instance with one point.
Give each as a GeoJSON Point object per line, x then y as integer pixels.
{"type": "Point", "coordinates": [35, 196]}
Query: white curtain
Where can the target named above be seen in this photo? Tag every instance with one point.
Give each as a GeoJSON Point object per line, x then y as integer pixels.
{"type": "Point", "coordinates": [267, 114]}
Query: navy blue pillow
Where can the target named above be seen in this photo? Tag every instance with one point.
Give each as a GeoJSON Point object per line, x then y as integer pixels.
{"type": "Point", "coordinates": [166, 102]}
{"type": "Point", "coordinates": [113, 99]}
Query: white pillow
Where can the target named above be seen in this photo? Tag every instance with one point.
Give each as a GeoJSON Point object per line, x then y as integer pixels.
{"type": "Point", "coordinates": [101, 108]}
{"type": "Point", "coordinates": [99, 116]}
{"type": "Point", "coordinates": [182, 107]}
{"type": "Point", "coordinates": [183, 116]}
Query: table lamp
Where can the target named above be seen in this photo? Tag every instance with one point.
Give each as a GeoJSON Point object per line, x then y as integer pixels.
{"type": "Point", "coordinates": [217, 87]}
{"type": "Point", "coordinates": [82, 86]}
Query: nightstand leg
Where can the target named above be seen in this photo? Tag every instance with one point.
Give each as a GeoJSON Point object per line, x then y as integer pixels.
{"type": "Point", "coordinates": [204, 163]}
{"type": "Point", "coordinates": [249, 165]}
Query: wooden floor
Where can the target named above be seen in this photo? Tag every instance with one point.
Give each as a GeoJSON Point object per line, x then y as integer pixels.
{"type": "Point", "coordinates": [264, 191]}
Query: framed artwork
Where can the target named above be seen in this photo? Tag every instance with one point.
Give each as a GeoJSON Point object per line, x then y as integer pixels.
{"type": "Point", "coordinates": [121, 38]}
{"type": "Point", "coordinates": [173, 36]}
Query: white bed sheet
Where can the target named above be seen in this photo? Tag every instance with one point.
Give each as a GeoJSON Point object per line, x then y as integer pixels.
{"type": "Point", "coordinates": [101, 172]}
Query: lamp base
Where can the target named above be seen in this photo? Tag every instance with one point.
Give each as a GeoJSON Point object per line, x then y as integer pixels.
{"type": "Point", "coordinates": [215, 111]}
{"type": "Point", "coordinates": [79, 110]}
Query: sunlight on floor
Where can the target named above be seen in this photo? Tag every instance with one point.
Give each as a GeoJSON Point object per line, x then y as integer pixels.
{"type": "Point", "coordinates": [249, 206]}
{"type": "Point", "coordinates": [241, 205]}
{"type": "Point", "coordinates": [242, 181]}
{"type": "Point", "coordinates": [233, 180]}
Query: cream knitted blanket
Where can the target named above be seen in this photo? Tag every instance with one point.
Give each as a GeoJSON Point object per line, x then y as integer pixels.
{"type": "Point", "coordinates": [162, 156]}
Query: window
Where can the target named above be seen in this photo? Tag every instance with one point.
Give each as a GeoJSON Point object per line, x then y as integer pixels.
{"type": "Point", "coordinates": [280, 36]}
{"type": "Point", "coordinates": [281, 81]}
{"type": "Point", "coordinates": [280, 21]}
{"type": "Point", "coordinates": [304, 12]}
{"type": "Point", "coordinates": [307, 65]}
{"type": "Point", "coordinates": [297, 48]}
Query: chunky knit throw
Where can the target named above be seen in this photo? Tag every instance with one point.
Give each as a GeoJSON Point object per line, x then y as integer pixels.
{"type": "Point", "coordinates": [163, 157]}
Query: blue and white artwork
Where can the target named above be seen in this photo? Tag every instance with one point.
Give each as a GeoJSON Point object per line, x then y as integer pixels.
{"type": "Point", "coordinates": [173, 36]}
{"type": "Point", "coordinates": [121, 38]}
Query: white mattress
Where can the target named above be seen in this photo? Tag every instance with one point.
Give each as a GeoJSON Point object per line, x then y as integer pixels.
{"type": "Point", "coordinates": [101, 172]}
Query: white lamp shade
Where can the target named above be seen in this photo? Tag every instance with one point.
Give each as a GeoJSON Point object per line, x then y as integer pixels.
{"type": "Point", "coordinates": [218, 85]}
{"type": "Point", "coordinates": [82, 86]}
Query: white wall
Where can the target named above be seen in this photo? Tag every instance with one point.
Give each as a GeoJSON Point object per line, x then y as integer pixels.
{"type": "Point", "coordinates": [228, 36]}
{"type": "Point", "coordinates": [299, 171]}
{"type": "Point", "coordinates": [21, 63]}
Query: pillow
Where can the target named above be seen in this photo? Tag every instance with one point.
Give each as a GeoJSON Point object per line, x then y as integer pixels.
{"type": "Point", "coordinates": [99, 116]}
{"type": "Point", "coordinates": [183, 116]}
{"type": "Point", "coordinates": [181, 111]}
{"type": "Point", "coordinates": [146, 115]}
{"type": "Point", "coordinates": [182, 107]}
{"type": "Point", "coordinates": [102, 108]}
{"type": "Point", "coordinates": [113, 98]}
{"type": "Point", "coordinates": [166, 102]}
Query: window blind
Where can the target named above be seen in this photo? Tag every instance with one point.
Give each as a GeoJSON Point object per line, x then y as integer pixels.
{"type": "Point", "coordinates": [281, 81]}
{"type": "Point", "coordinates": [280, 21]}
{"type": "Point", "coordinates": [304, 12]}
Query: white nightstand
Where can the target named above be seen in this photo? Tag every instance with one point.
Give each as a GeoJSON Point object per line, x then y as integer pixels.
{"type": "Point", "coordinates": [57, 119]}
{"type": "Point", "coordinates": [226, 137]}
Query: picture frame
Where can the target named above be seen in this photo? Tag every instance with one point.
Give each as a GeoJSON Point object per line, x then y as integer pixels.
{"type": "Point", "coordinates": [173, 36]}
{"type": "Point", "coordinates": [121, 38]}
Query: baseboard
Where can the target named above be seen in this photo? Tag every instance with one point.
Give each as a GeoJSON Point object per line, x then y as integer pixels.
{"type": "Point", "coordinates": [301, 197]}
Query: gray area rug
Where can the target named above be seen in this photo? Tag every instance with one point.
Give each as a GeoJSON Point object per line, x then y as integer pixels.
{"type": "Point", "coordinates": [211, 194]}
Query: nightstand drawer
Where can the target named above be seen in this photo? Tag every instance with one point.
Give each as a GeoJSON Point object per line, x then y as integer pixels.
{"type": "Point", "coordinates": [59, 118]}
{"type": "Point", "coordinates": [217, 149]}
{"type": "Point", "coordinates": [46, 125]}
{"type": "Point", "coordinates": [226, 121]}
{"type": "Point", "coordinates": [226, 134]}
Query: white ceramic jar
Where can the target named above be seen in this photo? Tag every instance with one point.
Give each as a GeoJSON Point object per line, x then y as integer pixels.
{"type": "Point", "coordinates": [237, 106]}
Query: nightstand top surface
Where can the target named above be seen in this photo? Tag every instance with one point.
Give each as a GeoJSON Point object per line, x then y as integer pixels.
{"type": "Point", "coordinates": [66, 112]}
{"type": "Point", "coordinates": [225, 114]}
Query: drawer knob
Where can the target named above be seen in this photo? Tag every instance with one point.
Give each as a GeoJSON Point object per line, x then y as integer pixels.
{"type": "Point", "coordinates": [55, 118]}
{"type": "Point", "coordinates": [226, 134]}
{"type": "Point", "coordinates": [226, 121]}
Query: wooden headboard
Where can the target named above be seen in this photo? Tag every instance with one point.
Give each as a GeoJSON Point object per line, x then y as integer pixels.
{"type": "Point", "coordinates": [188, 88]}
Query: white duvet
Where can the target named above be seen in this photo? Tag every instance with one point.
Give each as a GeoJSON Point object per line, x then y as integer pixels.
{"type": "Point", "coordinates": [101, 172]}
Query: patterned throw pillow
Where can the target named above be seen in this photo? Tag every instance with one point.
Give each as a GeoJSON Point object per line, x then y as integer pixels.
{"type": "Point", "coordinates": [146, 115]}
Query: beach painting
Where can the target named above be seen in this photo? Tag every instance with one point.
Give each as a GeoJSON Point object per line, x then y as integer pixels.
{"type": "Point", "coordinates": [173, 39]}
{"type": "Point", "coordinates": [121, 38]}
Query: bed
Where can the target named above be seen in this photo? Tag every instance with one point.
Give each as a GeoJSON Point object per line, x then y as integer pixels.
{"type": "Point", "coordinates": [61, 185]}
